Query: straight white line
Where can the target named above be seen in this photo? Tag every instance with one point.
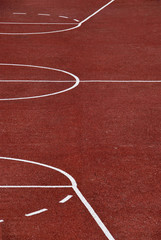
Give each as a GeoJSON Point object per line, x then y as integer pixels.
{"type": "Point", "coordinates": [37, 212]}
{"type": "Point", "coordinates": [76, 20]}
{"type": "Point", "coordinates": [93, 214]}
{"type": "Point", "coordinates": [23, 186]}
{"type": "Point", "coordinates": [81, 81]}
{"type": "Point", "coordinates": [16, 13]}
{"type": "Point", "coordinates": [63, 17]}
{"type": "Point", "coordinates": [99, 10]}
{"type": "Point", "coordinates": [66, 199]}
{"type": "Point", "coordinates": [1, 221]}
{"type": "Point", "coordinates": [43, 14]}
{"type": "Point", "coordinates": [119, 81]}
{"type": "Point", "coordinates": [38, 81]}
{"type": "Point", "coordinates": [24, 23]}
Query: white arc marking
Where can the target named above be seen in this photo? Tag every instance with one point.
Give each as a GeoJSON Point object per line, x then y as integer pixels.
{"type": "Point", "coordinates": [79, 24]}
{"type": "Point", "coordinates": [66, 199]}
{"type": "Point", "coordinates": [46, 68]}
{"type": "Point", "coordinates": [37, 212]}
{"type": "Point", "coordinates": [76, 190]}
{"type": "Point", "coordinates": [1, 221]}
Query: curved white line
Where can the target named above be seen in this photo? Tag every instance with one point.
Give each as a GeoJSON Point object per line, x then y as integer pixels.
{"type": "Point", "coordinates": [38, 33]}
{"type": "Point", "coordinates": [72, 180]}
{"type": "Point", "coordinates": [46, 68]}
{"type": "Point", "coordinates": [64, 30]}
{"type": "Point", "coordinates": [76, 190]}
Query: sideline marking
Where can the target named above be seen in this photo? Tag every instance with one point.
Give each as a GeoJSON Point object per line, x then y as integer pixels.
{"type": "Point", "coordinates": [66, 199]}
{"type": "Point", "coordinates": [37, 212]}
{"type": "Point", "coordinates": [76, 82]}
{"type": "Point", "coordinates": [58, 31]}
{"type": "Point", "coordinates": [76, 190]}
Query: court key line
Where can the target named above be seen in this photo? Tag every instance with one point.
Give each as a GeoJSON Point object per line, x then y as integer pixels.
{"type": "Point", "coordinates": [57, 31]}
{"type": "Point", "coordinates": [76, 81]}
{"type": "Point", "coordinates": [74, 187]}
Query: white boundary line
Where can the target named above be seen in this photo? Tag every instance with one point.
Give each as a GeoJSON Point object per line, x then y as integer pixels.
{"type": "Point", "coordinates": [76, 190]}
{"type": "Point", "coordinates": [46, 68]}
{"type": "Point", "coordinates": [58, 31]}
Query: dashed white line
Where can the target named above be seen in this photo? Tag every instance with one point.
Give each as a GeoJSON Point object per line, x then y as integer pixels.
{"type": "Point", "coordinates": [43, 14]}
{"type": "Point", "coordinates": [16, 13]}
{"type": "Point", "coordinates": [37, 212]}
{"type": "Point", "coordinates": [63, 16]}
{"type": "Point", "coordinates": [66, 199]}
{"type": "Point", "coordinates": [76, 20]}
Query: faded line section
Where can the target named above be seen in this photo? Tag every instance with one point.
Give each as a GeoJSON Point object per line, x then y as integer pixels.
{"type": "Point", "coordinates": [16, 13]}
{"type": "Point", "coordinates": [66, 199]}
{"type": "Point", "coordinates": [43, 14]}
{"type": "Point", "coordinates": [99, 10]}
{"type": "Point", "coordinates": [37, 212]}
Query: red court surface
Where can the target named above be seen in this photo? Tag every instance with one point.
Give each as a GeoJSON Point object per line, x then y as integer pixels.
{"type": "Point", "coordinates": [87, 102]}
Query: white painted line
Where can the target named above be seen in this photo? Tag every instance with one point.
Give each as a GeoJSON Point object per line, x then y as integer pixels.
{"type": "Point", "coordinates": [28, 23]}
{"type": "Point", "coordinates": [76, 190]}
{"type": "Point", "coordinates": [119, 81]}
{"type": "Point", "coordinates": [37, 81]}
{"type": "Point", "coordinates": [63, 17]}
{"type": "Point", "coordinates": [16, 13]}
{"type": "Point", "coordinates": [1, 221]}
{"type": "Point", "coordinates": [94, 214]}
{"type": "Point", "coordinates": [76, 81]}
{"type": "Point", "coordinates": [81, 81]}
{"type": "Point", "coordinates": [32, 186]}
{"type": "Point", "coordinates": [99, 10]}
{"type": "Point", "coordinates": [35, 213]}
{"type": "Point", "coordinates": [56, 31]}
{"type": "Point", "coordinates": [76, 20]}
{"type": "Point", "coordinates": [43, 14]}
{"type": "Point", "coordinates": [66, 199]}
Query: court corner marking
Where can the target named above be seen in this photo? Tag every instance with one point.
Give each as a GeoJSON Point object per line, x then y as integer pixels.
{"type": "Point", "coordinates": [76, 190]}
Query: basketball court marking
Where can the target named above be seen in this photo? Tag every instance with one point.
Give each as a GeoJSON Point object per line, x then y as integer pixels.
{"type": "Point", "coordinates": [67, 198]}
{"type": "Point", "coordinates": [56, 31]}
{"type": "Point", "coordinates": [76, 81]}
{"type": "Point", "coordinates": [73, 186]}
{"type": "Point", "coordinates": [36, 212]}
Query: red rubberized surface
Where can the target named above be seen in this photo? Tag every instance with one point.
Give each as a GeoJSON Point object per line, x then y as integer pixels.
{"type": "Point", "coordinates": [106, 135]}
